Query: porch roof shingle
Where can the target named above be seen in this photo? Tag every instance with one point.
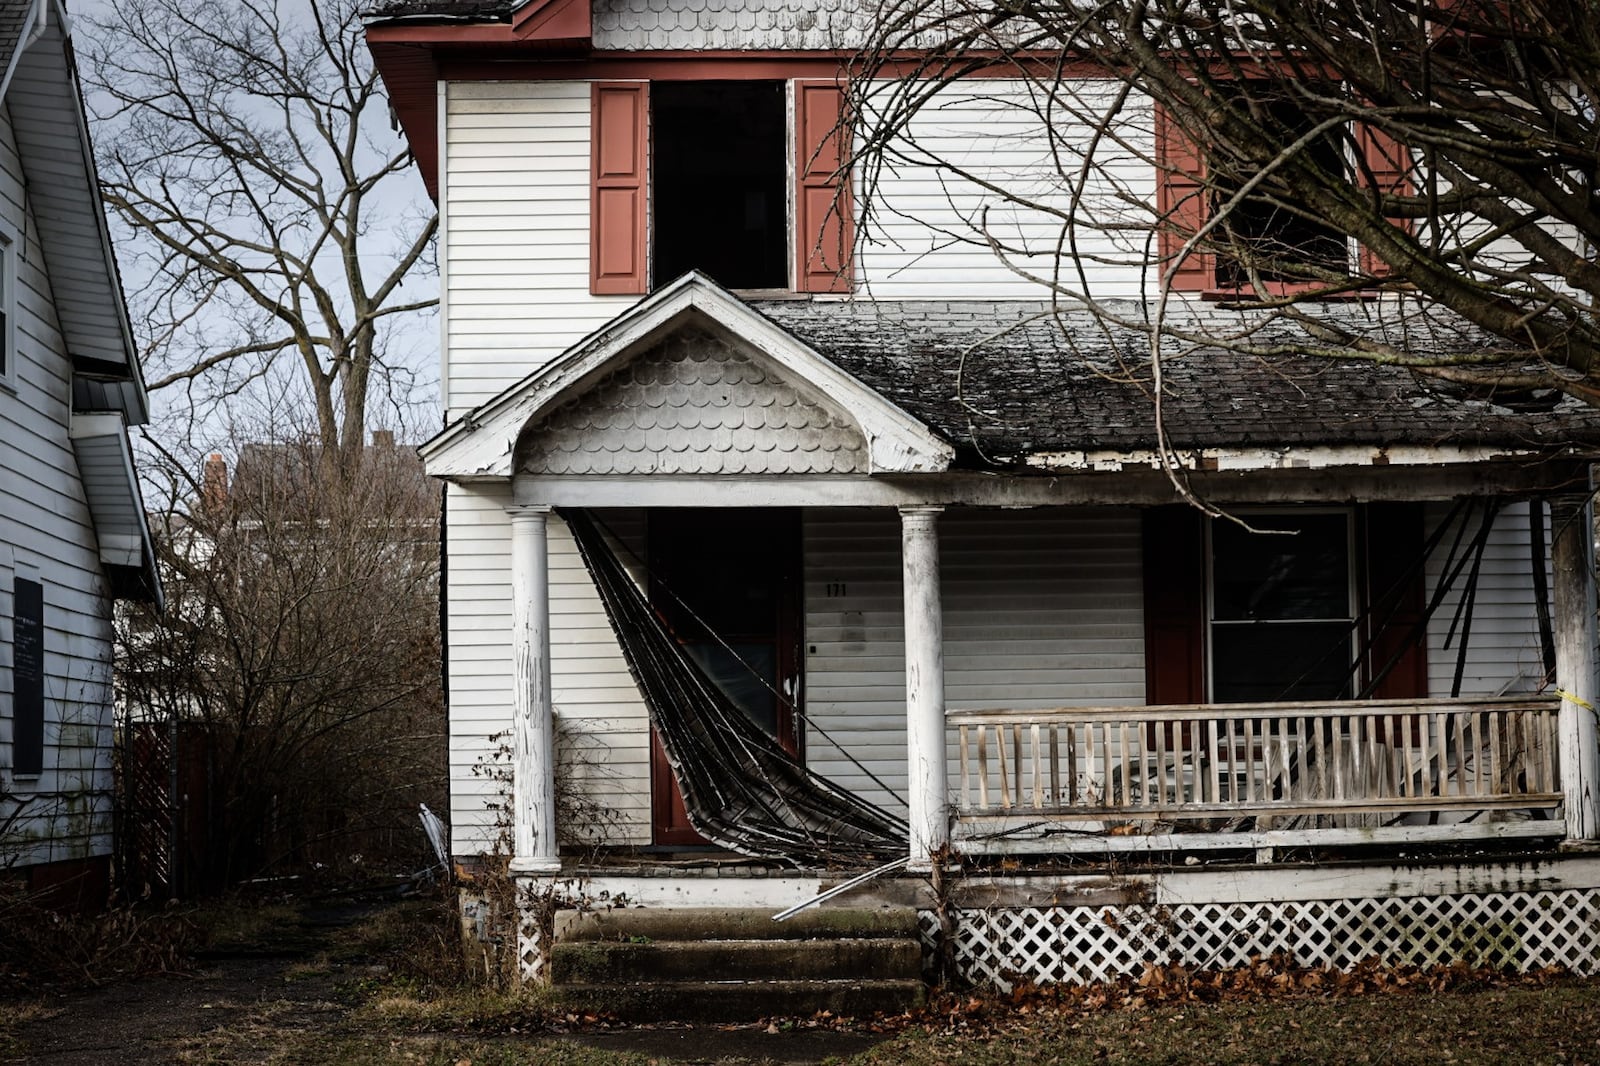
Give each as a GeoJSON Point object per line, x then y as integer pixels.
{"type": "Point", "coordinates": [1000, 381]}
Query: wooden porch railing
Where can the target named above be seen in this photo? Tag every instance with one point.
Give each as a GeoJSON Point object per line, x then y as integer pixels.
{"type": "Point", "coordinates": [1256, 766]}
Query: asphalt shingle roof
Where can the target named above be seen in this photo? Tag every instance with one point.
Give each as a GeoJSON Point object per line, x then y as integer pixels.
{"type": "Point", "coordinates": [1000, 380]}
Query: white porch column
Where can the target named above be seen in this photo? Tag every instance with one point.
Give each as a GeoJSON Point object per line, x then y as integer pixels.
{"type": "Point", "coordinates": [533, 774]}
{"type": "Point", "coordinates": [927, 791]}
{"type": "Point", "coordinates": [1572, 558]}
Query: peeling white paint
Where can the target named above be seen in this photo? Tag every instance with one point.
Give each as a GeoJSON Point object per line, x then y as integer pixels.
{"type": "Point", "coordinates": [1317, 457]}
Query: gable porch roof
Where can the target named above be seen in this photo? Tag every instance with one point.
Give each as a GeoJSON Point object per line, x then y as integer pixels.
{"type": "Point", "coordinates": [481, 445]}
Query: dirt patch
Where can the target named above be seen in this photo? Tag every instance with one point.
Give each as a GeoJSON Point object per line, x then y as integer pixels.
{"type": "Point", "coordinates": [347, 985]}
{"type": "Point", "coordinates": [755, 1045]}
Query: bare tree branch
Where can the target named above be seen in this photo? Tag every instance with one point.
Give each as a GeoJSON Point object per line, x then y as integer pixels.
{"type": "Point", "coordinates": [247, 150]}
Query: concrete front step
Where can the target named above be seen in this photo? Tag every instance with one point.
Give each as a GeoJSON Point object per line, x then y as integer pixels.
{"type": "Point", "coordinates": [734, 923]}
{"type": "Point", "coordinates": [718, 1001]}
{"type": "Point", "coordinates": [732, 964]}
{"type": "Point", "coordinates": [874, 959]}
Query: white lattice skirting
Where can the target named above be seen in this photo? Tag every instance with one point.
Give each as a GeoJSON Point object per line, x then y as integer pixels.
{"type": "Point", "coordinates": [1082, 945]}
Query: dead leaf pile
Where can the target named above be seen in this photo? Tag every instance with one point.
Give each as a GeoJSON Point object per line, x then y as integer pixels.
{"type": "Point", "coordinates": [1268, 978]}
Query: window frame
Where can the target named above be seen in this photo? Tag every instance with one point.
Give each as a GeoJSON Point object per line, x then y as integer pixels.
{"type": "Point", "coordinates": [1354, 570]}
{"type": "Point", "coordinates": [1183, 206]}
{"type": "Point", "coordinates": [621, 232]}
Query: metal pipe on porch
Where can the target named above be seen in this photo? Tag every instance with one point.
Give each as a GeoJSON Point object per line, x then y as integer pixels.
{"type": "Point", "coordinates": [927, 793]}
{"type": "Point", "coordinates": [533, 767]}
{"type": "Point", "coordinates": [1572, 558]}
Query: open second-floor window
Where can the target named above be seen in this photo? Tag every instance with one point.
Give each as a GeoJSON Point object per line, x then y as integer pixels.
{"type": "Point", "coordinates": [718, 182]}
{"type": "Point", "coordinates": [714, 176]}
{"type": "Point", "coordinates": [1260, 238]}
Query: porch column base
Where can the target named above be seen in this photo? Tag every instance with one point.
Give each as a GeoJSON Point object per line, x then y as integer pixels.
{"type": "Point", "coordinates": [927, 791]}
{"type": "Point", "coordinates": [536, 901]}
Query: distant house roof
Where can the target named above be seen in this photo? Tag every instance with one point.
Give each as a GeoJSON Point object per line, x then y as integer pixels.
{"type": "Point", "coordinates": [278, 477]}
{"type": "Point", "coordinates": [1003, 380]}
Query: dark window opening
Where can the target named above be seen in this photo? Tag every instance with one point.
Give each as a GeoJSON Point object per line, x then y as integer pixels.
{"type": "Point", "coordinates": [1281, 245]}
{"type": "Point", "coordinates": [719, 171]}
{"type": "Point", "coordinates": [27, 677]}
{"type": "Point", "coordinates": [1281, 621]}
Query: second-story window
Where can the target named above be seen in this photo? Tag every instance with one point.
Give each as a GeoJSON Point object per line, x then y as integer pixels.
{"type": "Point", "coordinates": [1264, 237]}
{"type": "Point", "coordinates": [718, 178]}
{"type": "Point", "coordinates": [1286, 249]}
{"type": "Point", "coordinates": [737, 179]}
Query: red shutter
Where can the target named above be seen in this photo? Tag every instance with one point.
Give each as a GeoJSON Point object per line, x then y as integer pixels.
{"type": "Point", "coordinates": [1394, 545]}
{"type": "Point", "coordinates": [1181, 203]}
{"type": "Point", "coordinates": [619, 169]}
{"type": "Point", "coordinates": [1174, 606]}
{"type": "Point", "coordinates": [1388, 163]}
{"type": "Point", "coordinates": [824, 230]}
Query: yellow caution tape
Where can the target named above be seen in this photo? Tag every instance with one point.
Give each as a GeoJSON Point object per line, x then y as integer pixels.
{"type": "Point", "coordinates": [1570, 698]}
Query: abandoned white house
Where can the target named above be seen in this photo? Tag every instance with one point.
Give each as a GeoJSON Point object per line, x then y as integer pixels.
{"type": "Point", "coordinates": [910, 522]}
{"type": "Point", "coordinates": [72, 529]}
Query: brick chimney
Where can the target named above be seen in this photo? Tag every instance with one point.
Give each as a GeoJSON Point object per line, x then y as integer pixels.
{"type": "Point", "coordinates": [214, 483]}
{"type": "Point", "coordinates": [383, 438]}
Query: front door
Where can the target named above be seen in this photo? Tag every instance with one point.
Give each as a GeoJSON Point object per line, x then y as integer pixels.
{"type": "Point", "coordinates": [727, 583]}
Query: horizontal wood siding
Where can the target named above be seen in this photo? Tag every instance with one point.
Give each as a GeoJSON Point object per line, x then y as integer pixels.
{"type": "Point", "coordinates": [926, 225]}
{"type": "Point", "coordinates": [1503, 649]}
{"type": "Point", "coordinates": [517, 233]}
{"type": "Point", "coordinates": [1041, 609]}
{"type": "Point", "coordinates": [46, 533]}
{"type": "Point", "coordinates": [601, 721]}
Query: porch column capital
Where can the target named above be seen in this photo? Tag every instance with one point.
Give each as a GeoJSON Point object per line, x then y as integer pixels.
{"type": "Point", "coordinates": [533, 781]}
{"type": "Point", "coordinates": [1572, 560]}
{"type": "Point", "coordinates": [927, 792]}
{"type": "Point", "coordinates": [920, 516]}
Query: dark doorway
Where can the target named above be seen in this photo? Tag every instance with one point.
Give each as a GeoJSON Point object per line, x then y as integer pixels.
{"type": "Point", "coordinates": [719, 169]}
{"type": "Point", "coordinates": [727, 583]}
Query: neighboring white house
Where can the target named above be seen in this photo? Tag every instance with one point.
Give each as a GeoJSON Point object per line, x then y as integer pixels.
{"type": "Point", "coordinates": [72, 529]}
{"type": "Point", "coordinates": [927, 550]}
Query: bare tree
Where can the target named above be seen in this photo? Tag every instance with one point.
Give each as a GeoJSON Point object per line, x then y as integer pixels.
{"type": "Point", "coordinates": [300, 646]}
{"type": "Point", "coordinates": [247, 149]}
{"type": "Point", "coordinates": [1277, 154]}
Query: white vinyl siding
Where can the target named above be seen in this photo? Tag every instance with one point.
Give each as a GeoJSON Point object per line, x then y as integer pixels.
{"type": "Point", "coordinates": [516, 235]}
{"type": "Point", "coordinates": [926, 223]}
{"type": "Point", "coordinates": [516, 242]}
{"type": "Point", "coordinates": [1042, 608]}
{"type": "Point", "coordinates": [46, 533]}
{"type": "Point", "coordinates": [600, 718]}
{"type": "Point", "coordinates": [1503, 646]}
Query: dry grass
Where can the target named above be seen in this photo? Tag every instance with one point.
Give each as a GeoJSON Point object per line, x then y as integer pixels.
{"type": "Point", "coordinates": [392, 988]}
{"type": "Point", "coordinates": [1464, 1027]}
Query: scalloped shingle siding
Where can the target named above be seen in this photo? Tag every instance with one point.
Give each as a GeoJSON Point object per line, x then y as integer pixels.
{"type": "Point", "coordinates": [695, 406]}
{"type": "Point", "coordinates": [696, 25]}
